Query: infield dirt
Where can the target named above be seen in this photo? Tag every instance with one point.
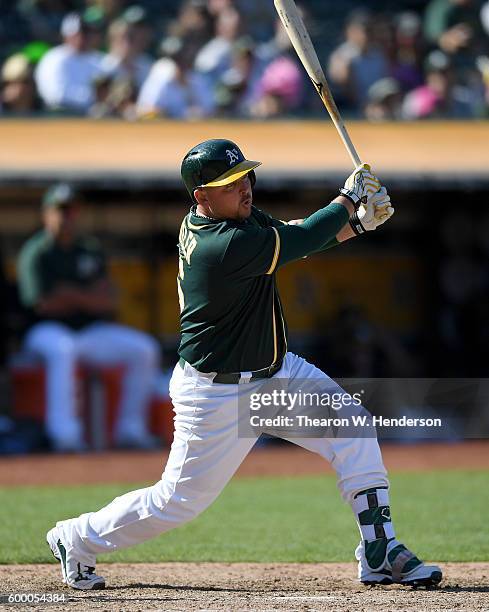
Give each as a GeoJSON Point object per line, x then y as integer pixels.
{"type": "Point", "coordinates": [250, 587]}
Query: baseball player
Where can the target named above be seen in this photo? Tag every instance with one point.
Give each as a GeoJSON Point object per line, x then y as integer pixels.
{"type": "Point", "coordinates": [63, 283]}
{"type": "Point", "coordinates": [234, 337]}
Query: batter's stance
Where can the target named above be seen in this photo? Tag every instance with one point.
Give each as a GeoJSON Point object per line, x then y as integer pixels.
{"type": "Point", "coordinates": [234, 333]}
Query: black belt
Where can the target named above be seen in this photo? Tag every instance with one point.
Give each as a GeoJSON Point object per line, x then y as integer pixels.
{"type": "Point", "coordinates": [233, 378]}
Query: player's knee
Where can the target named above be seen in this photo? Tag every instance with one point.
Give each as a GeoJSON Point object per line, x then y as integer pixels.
{"type": "Point", "coordinates": [51, 341]}
{"type": "Point", "coordinates": [63, 346]}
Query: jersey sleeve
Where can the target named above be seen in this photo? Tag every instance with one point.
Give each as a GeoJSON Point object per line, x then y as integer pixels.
{"type": "Point", "coordinates": [29, 277]}
{"type": "Point", "coordinates": [329, 245]}
{"type": "Point", "coordinates": [253, 251]}
{"type": "Point", "coordinates": [313, 235]}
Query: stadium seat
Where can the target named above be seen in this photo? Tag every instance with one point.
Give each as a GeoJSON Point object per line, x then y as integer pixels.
{"type": "Point", "coordinates": [98, 395]}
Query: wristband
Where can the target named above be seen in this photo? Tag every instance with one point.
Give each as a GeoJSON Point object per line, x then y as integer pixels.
{"type": "Point", "coordinates": [352, 196]}
{"type": "Point", "coordinates": [356, 224]}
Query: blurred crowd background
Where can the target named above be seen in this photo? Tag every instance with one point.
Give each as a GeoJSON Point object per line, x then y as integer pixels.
{"type": "Point", "coordinates": [231, 58]}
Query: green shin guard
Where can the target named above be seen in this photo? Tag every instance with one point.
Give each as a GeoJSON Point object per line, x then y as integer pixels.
{"type": "Point", "coordinates": [373, 515]}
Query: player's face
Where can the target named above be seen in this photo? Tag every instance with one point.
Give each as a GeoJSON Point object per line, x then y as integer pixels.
{"type": "Point", "coordinates": [61, 220]}
{"type": "Point", "coordinates": [231, 201]}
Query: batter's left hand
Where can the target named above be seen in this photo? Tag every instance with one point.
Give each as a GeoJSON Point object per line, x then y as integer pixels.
{"type": "Point", "coordinates": [376, 211]}
{"type": "Point", "coordinates": [360, 185]}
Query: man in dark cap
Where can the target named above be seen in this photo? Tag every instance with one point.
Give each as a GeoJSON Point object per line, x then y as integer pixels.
{"type": "Point", "coordinates": [63, 281]}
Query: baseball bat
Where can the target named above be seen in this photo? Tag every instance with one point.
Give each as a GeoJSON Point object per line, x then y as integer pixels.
{"type": "Point", "coordinates": [300, 39]}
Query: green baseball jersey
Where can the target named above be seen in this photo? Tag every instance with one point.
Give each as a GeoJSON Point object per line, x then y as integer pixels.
{"type": "Point", "coordinates": [231, 314]}
{"type": "Point", "coordinates": [44, 266]}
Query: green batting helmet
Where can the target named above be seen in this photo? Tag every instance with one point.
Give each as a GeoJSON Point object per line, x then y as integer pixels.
{"type": "Point", "coordinates": [215, 163]}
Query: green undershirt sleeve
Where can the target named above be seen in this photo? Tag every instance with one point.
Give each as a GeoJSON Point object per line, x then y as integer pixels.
{"type": "Point", "coordinates": [329, 245]}
{"type": "Point", "coordinates": [28, 278]}
{"type": "Point", "coordinates": [317, 233]}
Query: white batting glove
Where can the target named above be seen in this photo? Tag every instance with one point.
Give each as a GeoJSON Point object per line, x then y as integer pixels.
{"type": "Point", "coordinates": [376, 211]}
{"type": "Point", "coordinates": [360, 185]}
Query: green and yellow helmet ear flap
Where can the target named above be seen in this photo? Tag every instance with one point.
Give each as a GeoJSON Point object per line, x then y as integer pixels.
{"type": "Point", "coordinates": [215, 163]}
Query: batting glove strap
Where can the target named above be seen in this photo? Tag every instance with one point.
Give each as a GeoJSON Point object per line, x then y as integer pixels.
{"type": "Point", "coordinates": [352, 196]}
{"type": "Point", "coordinates": [356, 224]}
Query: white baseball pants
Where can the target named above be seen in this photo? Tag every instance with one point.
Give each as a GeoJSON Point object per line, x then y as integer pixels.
{"type": "Point", "coordinates": [98, 344]}
{"type": "Point", "coordinates": [204, 455]}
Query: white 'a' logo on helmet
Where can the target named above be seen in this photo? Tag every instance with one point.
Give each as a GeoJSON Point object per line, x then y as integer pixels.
{"type": "Point", "coordinates": [233, 155]}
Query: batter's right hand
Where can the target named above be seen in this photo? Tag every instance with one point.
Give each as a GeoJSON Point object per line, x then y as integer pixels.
{"type": "Point", "coordinates": [360, 185]}
{"type": "Point", "coordinates": [376, 211]}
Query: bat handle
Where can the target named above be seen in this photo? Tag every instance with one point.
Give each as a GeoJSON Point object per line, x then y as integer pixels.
{"type": "Point", "coordinates": [348, 144]}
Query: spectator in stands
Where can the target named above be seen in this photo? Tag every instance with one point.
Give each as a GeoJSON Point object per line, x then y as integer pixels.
{"type": "Point", "coordinates": [483, 66]}
{"type": "Point", "coordinates": [94, 19]}
{"type": "Point", "coordinates": [384, 100]}
{"type": "Point", "coordinates": [173, 89]}
{"type": "Point", "coordinates": [440, 96]}
{"type": "Point", "coordinates": [259, 16]}
{"type": "Point", "coordinates": [280, 88]}
{"type": "Point", "coordinates": [238, 88]}
{"type": "Point", "coordinates": [381, 31]}
{"type": "Point", "coordinates": [194, 26]}
{"type": "Point", "coordinates": [123, 60]}
{"type": "Point", "coordinates": [115, 97]}
{"type": "Point", "coordinates": [455, 25]}
{"type": "Point", "coordinates": [407, 65]}
{"type": "Point", "coordinates": [452, 24]}
{"type": "Point", "coordinates": [63, 279]}
{"type": "Point", "coordinates": [18, 94]}
{"type": "Point", "coordinates": [357, 63]}
{"type": "Point", "coordinates": [65, 75]}
{"type": "Point", "coordinates": [277, 45]}
{"type": "Point", "coordinates": [485, 17]}
{"type": "Point", "coordinates": [216, 56]}
{"type": "Point", "coordinates": [219, 6]}
{"type": "Point", "coordinates": [142, 32]}
{"type": "Point", "coordinates": [110, 8]}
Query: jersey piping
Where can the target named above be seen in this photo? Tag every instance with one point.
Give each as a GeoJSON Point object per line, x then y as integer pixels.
{"type": "Point", "coordinates": [276, 253]}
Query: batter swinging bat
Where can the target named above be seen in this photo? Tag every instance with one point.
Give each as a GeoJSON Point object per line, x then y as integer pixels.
{"type": "Point", "coordinates": [299, 37]}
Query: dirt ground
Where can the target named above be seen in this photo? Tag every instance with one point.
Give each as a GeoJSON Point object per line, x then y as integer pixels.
{"type": "Point", "coordinates": [212, 586]}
